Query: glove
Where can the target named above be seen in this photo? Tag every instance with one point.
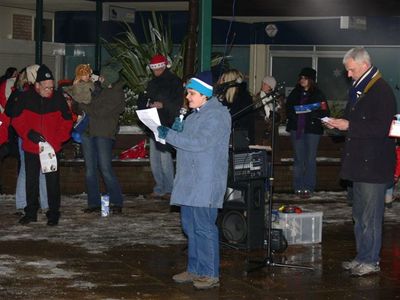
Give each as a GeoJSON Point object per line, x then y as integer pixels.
{"type": "Point", "coordinates": [76, 137]}
{"type": "Point", "coordinates": [178, 125]}
{"type": "Point", "coordinates": [162, 132]}
{"type": "Point", "coordinates": [35, 136]}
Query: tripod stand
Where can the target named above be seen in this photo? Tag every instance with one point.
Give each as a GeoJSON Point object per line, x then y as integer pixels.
{"type": "Point", "coordinates": [268, 260]}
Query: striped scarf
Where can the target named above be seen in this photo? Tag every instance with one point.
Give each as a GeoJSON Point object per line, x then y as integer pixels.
{"type": "Point", "coordinates": [359, 87]}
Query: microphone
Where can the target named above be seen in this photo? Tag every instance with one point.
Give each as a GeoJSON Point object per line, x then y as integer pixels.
{"type": "Point", "coordinates": [182, 113]}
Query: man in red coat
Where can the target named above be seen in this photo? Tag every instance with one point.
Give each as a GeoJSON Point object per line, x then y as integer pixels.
{"type": "Point", "coordinates": [42, 115]}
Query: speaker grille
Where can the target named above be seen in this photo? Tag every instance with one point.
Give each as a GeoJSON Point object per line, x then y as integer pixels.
{"type": "Point", "coordinates": [234, 227]}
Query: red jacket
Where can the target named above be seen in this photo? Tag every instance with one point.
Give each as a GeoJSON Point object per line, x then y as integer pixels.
{"type": "Point", "coordinates": [48, 116]}
{"type": "Point", "coordinates": [5, 122]}
{"type": "Point", "coordinates": [397, 170]}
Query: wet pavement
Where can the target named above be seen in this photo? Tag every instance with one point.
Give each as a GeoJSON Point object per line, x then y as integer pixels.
{"type": "Point", "coordinates": [134, 255]}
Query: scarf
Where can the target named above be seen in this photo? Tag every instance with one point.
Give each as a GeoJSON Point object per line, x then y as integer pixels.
{"type": "Point", "coordinates": [361, 86]}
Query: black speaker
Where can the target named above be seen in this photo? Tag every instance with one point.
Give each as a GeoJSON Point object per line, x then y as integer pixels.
{"type": "Point", "coordinates": [241, 220]}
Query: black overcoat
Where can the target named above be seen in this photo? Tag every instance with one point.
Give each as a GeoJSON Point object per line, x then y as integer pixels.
{"type": "Point", "coordinates": [369, 153]}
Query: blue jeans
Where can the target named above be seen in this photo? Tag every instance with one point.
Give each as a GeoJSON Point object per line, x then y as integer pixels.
{"type": "Point", "coordinates": [368, 209]}
{"type": "Point", "coordinates": [162, 167]}
{"type": "Point", "coordinates": [20, 193]}
{"type": "Point", "coordinates": [305, 164]}
{"type": "Point", "coordinates": [199, 225]}
{"type": "Point", "coordinates": [97, 152]}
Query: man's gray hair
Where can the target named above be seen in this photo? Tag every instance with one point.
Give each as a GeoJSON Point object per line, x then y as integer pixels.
{"type": "Point", "coordinates": [359, 55]}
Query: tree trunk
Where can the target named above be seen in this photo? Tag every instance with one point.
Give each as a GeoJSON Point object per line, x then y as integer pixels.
{"type": "Point", "coordinates": [191, 43]}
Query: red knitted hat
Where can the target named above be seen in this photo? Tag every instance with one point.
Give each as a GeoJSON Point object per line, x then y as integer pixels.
{"type": "Point", "coordinates": [158, 61]}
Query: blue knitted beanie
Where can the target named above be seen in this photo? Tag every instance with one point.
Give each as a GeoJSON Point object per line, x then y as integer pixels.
{"type": "Point", "coordinates": [202, 83]}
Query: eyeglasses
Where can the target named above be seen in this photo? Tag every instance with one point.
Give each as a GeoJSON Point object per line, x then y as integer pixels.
{"type": "Point", "coordinates": [47, 88]}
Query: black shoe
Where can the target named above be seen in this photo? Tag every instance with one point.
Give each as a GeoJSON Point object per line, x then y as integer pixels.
{"type": "Point", "coordinates": [52, 222]}
{"type": "Point", "coordinates": [90, 210]}
{"type": "Point", "coordinates": [116, 210]}
{"type": "Point", "coordinates": [26, 220]}
{"type": "Point", "coordinates": [388, 205]}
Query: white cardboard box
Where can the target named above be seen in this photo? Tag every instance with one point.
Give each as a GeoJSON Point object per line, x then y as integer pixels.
{"type": "Point", "coordinates": [303, 228]}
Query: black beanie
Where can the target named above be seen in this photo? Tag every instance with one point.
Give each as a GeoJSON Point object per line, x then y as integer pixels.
{"type": "Point", "coordinates": [44, 73]}
{"type": "Point", "coordinates": [309, 72]}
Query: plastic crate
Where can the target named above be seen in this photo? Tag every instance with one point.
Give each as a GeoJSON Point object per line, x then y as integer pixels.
{"type": "Point", "coordinates": [303, 228]}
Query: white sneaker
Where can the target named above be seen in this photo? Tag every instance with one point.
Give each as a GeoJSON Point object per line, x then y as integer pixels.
{"type": "Point", "coordinates": [365, 269]}
{"type": "Point", "coordinates": [348, 265]}
{"type": "Point", "coordinates": [184, 277]}
{"type": "Point", "coordinates": [205, 282]}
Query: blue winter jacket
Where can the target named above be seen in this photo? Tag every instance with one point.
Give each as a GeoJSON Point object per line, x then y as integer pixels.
{"type": "Point", "coordinates": [202, 154]}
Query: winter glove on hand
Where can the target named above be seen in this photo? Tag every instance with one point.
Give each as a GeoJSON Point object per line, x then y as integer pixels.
{"type": "Point", "coordinates": [162, 132]}
{"type": "Point", "coordinates": [35, 136]}
{"type": "Point", "coordinates": [178, 124]}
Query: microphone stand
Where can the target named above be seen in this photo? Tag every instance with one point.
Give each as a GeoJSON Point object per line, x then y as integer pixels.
{"type": "Point", "coordinates": [268, 261]}
{"type": "Point", "coordinates": [236, 116]}
{"type": "Point", "coordinates": [255, 104]}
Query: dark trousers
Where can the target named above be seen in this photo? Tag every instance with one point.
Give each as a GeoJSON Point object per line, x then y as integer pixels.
{"type": "Point", "coordinates": [32, 166]}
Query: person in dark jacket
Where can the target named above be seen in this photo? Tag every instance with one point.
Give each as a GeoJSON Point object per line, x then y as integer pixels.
{"type": "Point", "coordinates": [98, 138]}
{"type": "Point", "coordinates": [164, 92]}
{"type": "Point", "coordinates": [237, 98]}
{"type": "Point", "coordinates": [369, 156]}
{"type": "Point", "coordinates": [42, 115]}
{"type": "Point", "coordinates": [305, 106]}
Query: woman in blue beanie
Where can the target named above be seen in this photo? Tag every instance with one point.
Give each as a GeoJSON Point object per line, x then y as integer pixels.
{"type": "Point", "coordinates": [202, 147]}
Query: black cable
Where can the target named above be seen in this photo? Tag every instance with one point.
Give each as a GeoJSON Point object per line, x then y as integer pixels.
{"type": "Point", "coordinates": [226, 38]}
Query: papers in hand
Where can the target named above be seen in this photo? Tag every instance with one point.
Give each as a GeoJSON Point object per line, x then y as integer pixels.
{"type": "Point", "coordinates": [395, 129]}
{"type": "Point", "coordinates": [48, 159]}
{"type": "Point", "coordinates": [150, 118]}
{"type": "Point", "coordinates": [325, 119]}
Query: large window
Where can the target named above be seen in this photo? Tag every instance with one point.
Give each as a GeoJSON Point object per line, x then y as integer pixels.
{"type": "Point", "coordinates": [286, 70]}
{"type": "Point", "coordinates": [287, 61]}
{"type": "Point", "coordinates": [331, 75]}
{"type": "Point", "coordinates": [332, 78]}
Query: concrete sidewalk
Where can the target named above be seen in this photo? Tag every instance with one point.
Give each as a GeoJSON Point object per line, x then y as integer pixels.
{"type": "Point", "coordinates": [134, 255]}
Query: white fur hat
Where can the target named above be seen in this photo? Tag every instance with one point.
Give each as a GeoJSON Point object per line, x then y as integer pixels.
{"type": "Point", "coordinates": [31, 73]}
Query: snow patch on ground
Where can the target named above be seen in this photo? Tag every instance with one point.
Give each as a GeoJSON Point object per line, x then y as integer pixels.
{"type": "Point", "coordinates": [145, 222]}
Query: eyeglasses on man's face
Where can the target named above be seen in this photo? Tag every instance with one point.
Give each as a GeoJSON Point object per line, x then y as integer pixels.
{"type": "Point", "coordinates": [47, 87]}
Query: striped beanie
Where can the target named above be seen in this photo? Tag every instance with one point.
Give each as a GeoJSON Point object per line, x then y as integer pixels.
{"type": "Point", "coordinates": [158, 61]}
{"type": "Point", "coordinates": [202, 83]}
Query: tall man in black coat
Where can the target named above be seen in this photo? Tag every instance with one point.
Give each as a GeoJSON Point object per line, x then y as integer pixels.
{"type": "Point", "coordinates": [369, 156]}
{"type": "Point", "coordinates": [164, 92]}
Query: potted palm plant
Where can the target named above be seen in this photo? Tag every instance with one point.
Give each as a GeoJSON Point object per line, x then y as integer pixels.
{"type": "Point", "coordinates": [134, 56]}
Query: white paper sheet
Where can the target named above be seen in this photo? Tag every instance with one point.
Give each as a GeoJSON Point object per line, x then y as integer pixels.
{"type": "Point", "coordinates": [150, 118]}
{"type": "Point", "coordinates": [395, 129]}
{"type": "Point", "coordinates": [48, 159]}
{"type": "Point", "coordinates": [325, 119]}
